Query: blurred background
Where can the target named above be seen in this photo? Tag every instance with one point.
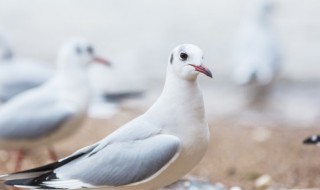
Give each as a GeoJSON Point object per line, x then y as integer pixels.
{"type": "Point", "coordinates": [248, 141]}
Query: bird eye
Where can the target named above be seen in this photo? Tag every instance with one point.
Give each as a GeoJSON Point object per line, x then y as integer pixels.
{"type": "Point", "coordinates": [90, 50]}
{"type": "Point", "coordinates": [183, 56]}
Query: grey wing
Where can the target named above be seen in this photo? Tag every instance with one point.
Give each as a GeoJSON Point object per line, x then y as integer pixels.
{"type": "Point", "coordinates": [119, 164]}
{"type": "Point", "coordinates": [10, 90]}
{"type": "Point", "coordinates": [33, 119]}
{"type": "Point", "coordinates": [25, 78]}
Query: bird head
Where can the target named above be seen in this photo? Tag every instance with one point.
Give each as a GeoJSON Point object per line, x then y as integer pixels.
{"type": "Point", "coordinates": [79, 53]}
{"type": "Point", "coordinates": [185, 61]}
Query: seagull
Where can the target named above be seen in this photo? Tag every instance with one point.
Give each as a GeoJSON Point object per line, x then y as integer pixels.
{"type": "Point", "coordinates": [28, 73]}
{"type": "Point", "coordinates": [52, 111]}
{"type": "Point", "coordinates": [257, 54]}
{"type": "Point", "coordinates": [313, 140]}
{"type": "Point", "coordinates": [149, 152]}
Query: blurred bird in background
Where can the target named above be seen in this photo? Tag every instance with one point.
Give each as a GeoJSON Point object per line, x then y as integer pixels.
{"type": "Point", "coordinates": [312, 140]}
{"type": "Point", "coordinates": [54, 110]}
{"type": "Point", "coordinates": [19, 74]}
{"type": "Point", "coordinates": [31, 73]}
{"type": "Point", "coordinates": [257, 55]}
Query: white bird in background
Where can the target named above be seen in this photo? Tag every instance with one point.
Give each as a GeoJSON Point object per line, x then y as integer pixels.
{"type": "Point", "coordinates": [52, 111]}
{"type": "Point", "coordinates": [149, 152]}
{"type": "Point", "coordinates": [19, 74]}
{"type": "Point", "coordinates": [257, 52]}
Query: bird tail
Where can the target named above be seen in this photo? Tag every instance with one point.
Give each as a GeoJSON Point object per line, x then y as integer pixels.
{"type": "Point", "coordinates": [21, 183]}
{"type": "Point", "coordinates": [33, 183]}
{"type": "Point", "coordinates": [34, 178]}
{"type": "Point", "coordinates": [32, 173]}
{"type": "Point", "coordinates": [27, 173]}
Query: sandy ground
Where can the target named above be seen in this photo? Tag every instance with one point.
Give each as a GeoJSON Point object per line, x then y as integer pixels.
{"type": "Point", "coordinates": [236, 157]}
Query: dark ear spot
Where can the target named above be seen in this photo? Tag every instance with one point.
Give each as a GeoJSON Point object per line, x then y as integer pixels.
{"type": "Point", "coordinates": [171, 58]}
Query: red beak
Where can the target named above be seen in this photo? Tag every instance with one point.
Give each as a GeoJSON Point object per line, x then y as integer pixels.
{"type": "Point", "coordinates": [202, 69]}
{"type": "Point", "coordinates": [102, 61]}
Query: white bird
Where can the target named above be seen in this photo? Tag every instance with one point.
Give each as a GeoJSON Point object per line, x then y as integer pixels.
{"type": "Point", "coordinates": [257, 53]}
{"type": "Point", "coordinates": [19, 74]}
{"type": "Point", "coordinates": [149, 152]}
{"type": "Point", "coordinates": [52, 111]}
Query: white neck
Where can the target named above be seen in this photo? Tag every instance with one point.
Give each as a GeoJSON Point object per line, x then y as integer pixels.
{"type": "Point", "coordinates": [74, 86]}
{"type": "Point", "coordinates": [180, 97]}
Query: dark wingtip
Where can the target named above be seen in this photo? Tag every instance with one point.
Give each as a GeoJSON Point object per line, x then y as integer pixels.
{"type": "Point", "coordinates": [33, 182]}
{"type": "Point", "coordinates": [17, 182]}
